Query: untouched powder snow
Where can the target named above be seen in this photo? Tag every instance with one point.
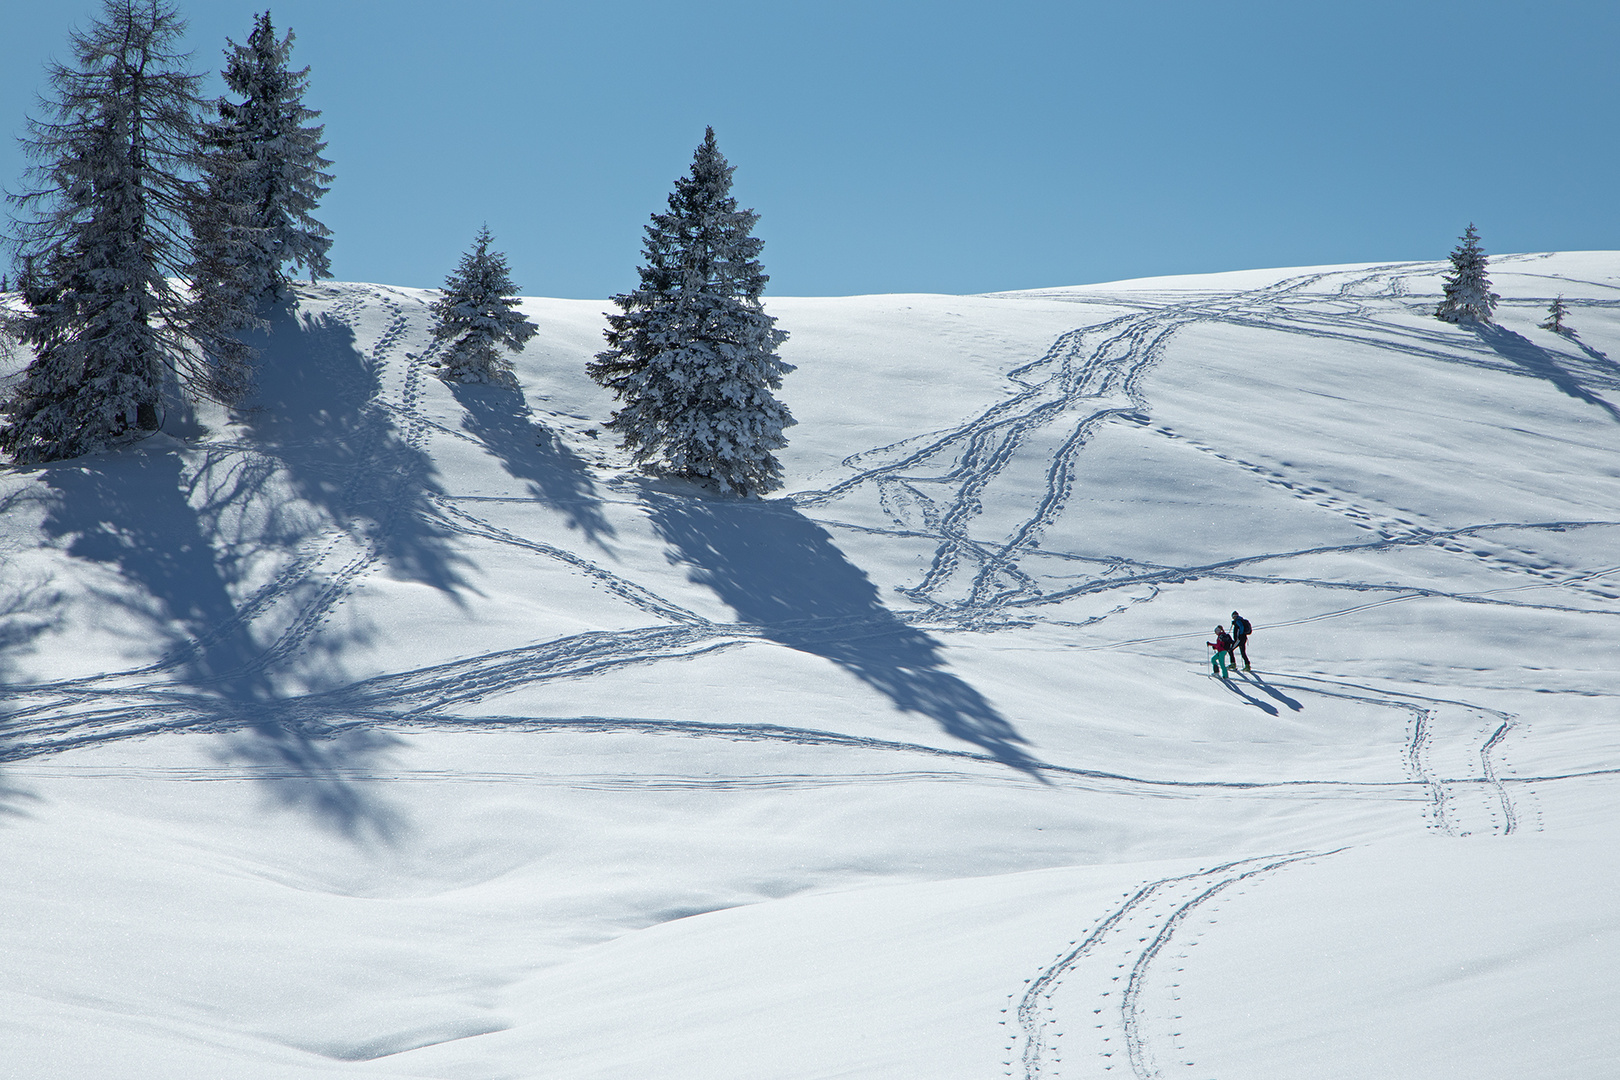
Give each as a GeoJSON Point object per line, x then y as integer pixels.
{"type": "Point", "coordinates": [388, 728]}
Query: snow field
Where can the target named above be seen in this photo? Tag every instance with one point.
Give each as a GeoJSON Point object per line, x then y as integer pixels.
{"type": "Point", "coordinates": [396, 728]}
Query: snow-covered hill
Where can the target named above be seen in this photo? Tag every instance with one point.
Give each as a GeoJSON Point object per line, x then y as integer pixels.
{"type": "Point", "coordinates": [396, 729]}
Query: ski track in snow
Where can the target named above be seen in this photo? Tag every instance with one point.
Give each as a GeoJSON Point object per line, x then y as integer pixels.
{"type": "Point", "coordinates": [1090, 1001]}
{"type": "Point", "coordinates": [934, 486]}
{"type": "Point", "coordinates": [1451, 749]}
{"type": "Point", "coordinates": [931, 485]}
{"type": "Point", "coordinates": [1104, 999]}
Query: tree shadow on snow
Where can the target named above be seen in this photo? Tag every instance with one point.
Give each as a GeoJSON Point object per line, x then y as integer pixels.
{"type": "Point", "coordinates": [316, 410]}
{"type": "Point", "coordinates": [133, 512]}
{"type": "Point", "coordinates": [332, 458]}
{"type": "Point", "coordinates": [318, 774]}
{"type": "Point", "coordinates": [1597, 356]}
{"type": "Point", "coordinates": [1542, 364]}
{"type": "Point", "coordinates": [27, 610]}
{"type": "Point", "coordinates": [781, 573]}
{"type": "Point", "coordinates": [13, 799]}
{"type": "Point", "coordinates": [498, 417]}
{"type": "Point", "coordinates": [130, 512]}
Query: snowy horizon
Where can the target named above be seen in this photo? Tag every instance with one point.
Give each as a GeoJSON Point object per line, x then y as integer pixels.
{"type": "Point", "coordinates": [903, 147]}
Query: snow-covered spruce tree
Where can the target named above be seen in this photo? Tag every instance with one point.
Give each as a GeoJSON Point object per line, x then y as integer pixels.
{"type": "Point", "coordinates": [1556, 311]}
{"type": "Point", "coordinates": [478, 317]}
{"type": "Point", "coordinates": [1468, 291]}
{"type": "Point", "coordinates": [264, 175]}
{"type": "Point", "coordinates": [692, 354]}
{"type": "Point", "coordinates": [102, 236]}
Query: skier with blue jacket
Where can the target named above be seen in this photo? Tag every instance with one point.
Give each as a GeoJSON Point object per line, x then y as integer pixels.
{"type": "Point", "coordinates": [1241, 629]}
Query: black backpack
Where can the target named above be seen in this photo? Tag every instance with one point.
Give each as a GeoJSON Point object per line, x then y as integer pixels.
{"type": "Point", "coordinates": [1243, 626]}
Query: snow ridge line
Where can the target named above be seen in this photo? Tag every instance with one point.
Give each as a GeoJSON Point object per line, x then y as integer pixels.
{"type": "Point", "coordinates": [232, 771]}
{"type": "Point", "coordinates": [55, 728]}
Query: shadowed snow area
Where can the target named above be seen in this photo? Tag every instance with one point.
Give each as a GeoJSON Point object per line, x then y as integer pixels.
{"type": "Point", "coordinates": [388, 728]}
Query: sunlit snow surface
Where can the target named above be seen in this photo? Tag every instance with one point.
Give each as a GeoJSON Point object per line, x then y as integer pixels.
{"type": "Point", "coordinates": [395, 729]}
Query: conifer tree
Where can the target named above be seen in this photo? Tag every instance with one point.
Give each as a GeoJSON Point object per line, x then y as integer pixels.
{"type": "Point", "coordinates": [264, 176]}
{"type": "Point", "coordinates": [1468, 291]}
{"type": "Point", "coordinates": [477, 315]}
{"type": "Point", "coordinates": [102, 237]}
{"type": "Point", "coordinates": [692, 354]}
{"type": "Point", "coordinates": [1555, 317]}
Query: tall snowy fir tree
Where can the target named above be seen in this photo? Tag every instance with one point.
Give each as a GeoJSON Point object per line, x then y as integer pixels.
{"type": "Point", "coordinates": [1468, 291]}
{"type": "Point", "coordinates": [692, 354]}
{"type": "Point", "coordinates": [264, 177]}
{"type": "Point", "coordinates": [102, 237]}
{"type": "Point", "coordinates": [479, 318]}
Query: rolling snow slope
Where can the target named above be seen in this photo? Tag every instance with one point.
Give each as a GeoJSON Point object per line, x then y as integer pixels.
{"type": "Point", "coordinates": [396, 729]}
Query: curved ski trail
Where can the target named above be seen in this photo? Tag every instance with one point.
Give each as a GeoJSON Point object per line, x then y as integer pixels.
{"type": "Point", "coordinates": [1089, 1003]}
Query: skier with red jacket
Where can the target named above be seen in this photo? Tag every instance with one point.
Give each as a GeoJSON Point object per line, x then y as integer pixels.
{"type": "Point", "coordinates": [1223, 652]}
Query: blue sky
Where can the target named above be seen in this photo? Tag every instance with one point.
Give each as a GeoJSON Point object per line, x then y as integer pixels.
{"type": "Point", "coordinates": [936, 147]}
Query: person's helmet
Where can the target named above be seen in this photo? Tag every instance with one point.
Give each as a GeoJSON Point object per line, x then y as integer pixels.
{"type": "Point", "coordinates": [1235, 615]}
{"type": "Point", "coordinates": [1220, 629]}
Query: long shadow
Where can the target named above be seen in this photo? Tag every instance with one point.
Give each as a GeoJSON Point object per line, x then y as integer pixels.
{"type": "Point", "coordinates": [13, 799]}
{"type": "Point", "coordinates": [27, 610]}
{"type": "Point", "coordinates": [1542, 364]}
{"type": "Point", "coordinates": [781, 573]}
{"type": "Point", "coordinates": [498, 417]}
{"type": "Point", "coordinates": [316, 411]}
{"type": "Point", "coordinates": [1275, 693]}
{"type": "Point", "coordinates": [1436, 345]}
{"type": "Point", "coordinates": [163, 528]}
{"type": "Point", "coordinates": [131, 513]}
{"type": "Point", "coordinates": [1234, 684]}
{"type": "Point", "coordinates": [316, 775]}
{"type": "Point", "coordinates": [1597, 356]}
